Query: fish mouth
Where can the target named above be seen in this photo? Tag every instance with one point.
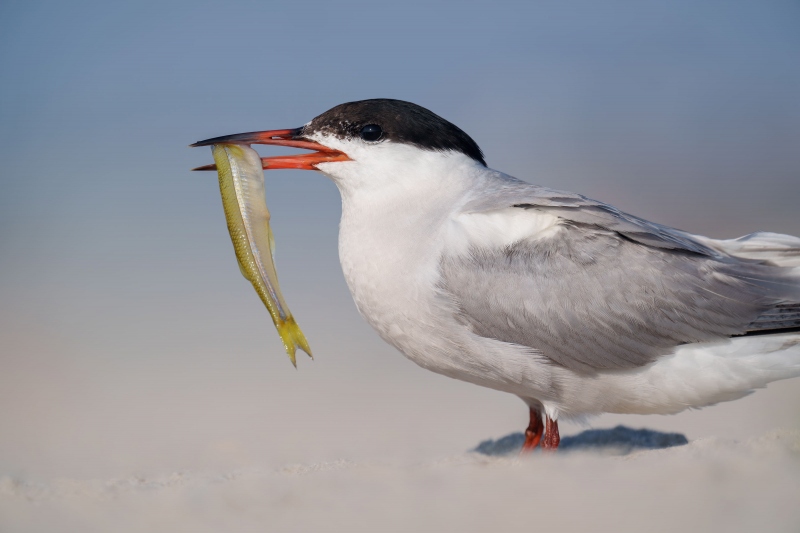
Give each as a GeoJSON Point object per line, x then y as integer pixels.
{"type": "Point", "coordinates": [290, 138]}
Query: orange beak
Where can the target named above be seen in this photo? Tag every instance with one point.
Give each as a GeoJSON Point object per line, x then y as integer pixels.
{"type": "Point", "coordinates": [322, 154]}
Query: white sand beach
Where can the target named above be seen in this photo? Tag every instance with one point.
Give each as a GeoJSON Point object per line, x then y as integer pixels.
{"type": "Point", "coordinates": [708, 485]}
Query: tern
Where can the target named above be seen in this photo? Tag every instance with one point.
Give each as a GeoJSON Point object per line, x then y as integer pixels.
{"type": "Point", "coordinates": [570, 304]}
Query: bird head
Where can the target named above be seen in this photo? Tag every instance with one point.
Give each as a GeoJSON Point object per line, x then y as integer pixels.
{"type": "Point", "coordinates": [366, 141]}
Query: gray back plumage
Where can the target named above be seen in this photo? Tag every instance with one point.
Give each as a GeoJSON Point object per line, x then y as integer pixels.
{"type": "Point", "coordinates": [608, 290]}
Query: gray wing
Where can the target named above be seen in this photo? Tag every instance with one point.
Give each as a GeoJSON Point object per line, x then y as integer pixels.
{"type": "Point", "coordinates": [507, 191]}
{"type": "Point", "coordinates": [609, 290]}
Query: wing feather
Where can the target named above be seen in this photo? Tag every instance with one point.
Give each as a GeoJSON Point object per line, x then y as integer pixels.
{"type": "Point", "coordinates": [609, 290]}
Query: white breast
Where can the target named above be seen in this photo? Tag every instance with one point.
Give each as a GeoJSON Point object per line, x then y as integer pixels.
{"type": "Point", "coordinates": [397, 205]}
{"type": "Point", "coordinates": [391, 240]}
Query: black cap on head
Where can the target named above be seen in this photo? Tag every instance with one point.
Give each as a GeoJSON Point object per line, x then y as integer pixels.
{"type": "Point", "coordinates": [396, 121]}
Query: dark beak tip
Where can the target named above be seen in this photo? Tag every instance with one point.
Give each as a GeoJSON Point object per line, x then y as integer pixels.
{"type": "Point", "coordinates": [279, 137]}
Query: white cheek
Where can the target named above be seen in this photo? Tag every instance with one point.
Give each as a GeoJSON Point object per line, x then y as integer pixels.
{"type": "Point", "coordinates": [341, 171]}
{"type": "Point", "coordinates": [351, 147]}
{"type": "Point", "coordinates": [369, 163]}
{"type": "Point", "coordinates": [398, 173]}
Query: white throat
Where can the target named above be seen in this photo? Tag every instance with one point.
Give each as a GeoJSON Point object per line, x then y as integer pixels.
{"type": "Point", "coordinates": [397, 200]}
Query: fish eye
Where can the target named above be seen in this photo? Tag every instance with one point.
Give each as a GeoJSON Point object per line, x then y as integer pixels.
{"type": "Point", "coordinates": [371, 132]}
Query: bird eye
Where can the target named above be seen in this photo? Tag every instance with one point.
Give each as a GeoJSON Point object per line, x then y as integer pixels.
{"type": "Point", "coordinates": [371, 132]}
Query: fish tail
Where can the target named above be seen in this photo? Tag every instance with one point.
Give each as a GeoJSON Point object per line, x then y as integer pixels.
{"type": "Point", "coordinates": [293, 338]}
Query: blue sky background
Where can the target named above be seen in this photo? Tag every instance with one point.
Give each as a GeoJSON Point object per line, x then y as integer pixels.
{"type": "Point", "coordinates": [122, 312]}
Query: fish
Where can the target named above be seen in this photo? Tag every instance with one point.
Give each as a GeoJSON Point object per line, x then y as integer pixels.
{"type": "Point", "coordinates": [241, 185]}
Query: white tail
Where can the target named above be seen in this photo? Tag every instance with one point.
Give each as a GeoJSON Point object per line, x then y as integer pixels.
{"type": "Point", "coordinates": [781, 250]}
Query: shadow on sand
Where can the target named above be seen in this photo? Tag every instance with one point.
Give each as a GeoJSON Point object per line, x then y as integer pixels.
{"type": "Point", "coordinates": [620, 440]}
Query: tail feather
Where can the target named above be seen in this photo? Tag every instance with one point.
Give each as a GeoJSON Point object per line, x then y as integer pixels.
{"type": "Point", "coordinates": [777, 267]}
{"type": "Point", "coordinates": [780, 250]}
{"type": "Point", "coordinates": [783, 318]}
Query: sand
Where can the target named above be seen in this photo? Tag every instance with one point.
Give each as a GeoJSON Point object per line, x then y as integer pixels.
{"type": "Point", "coordinates": [709, 484]}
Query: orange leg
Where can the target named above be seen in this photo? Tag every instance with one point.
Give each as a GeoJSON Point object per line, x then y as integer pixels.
{"type": "Point", "coordinates": [534, 432]}
{"type": "Point", "coordinates": [551, 436]}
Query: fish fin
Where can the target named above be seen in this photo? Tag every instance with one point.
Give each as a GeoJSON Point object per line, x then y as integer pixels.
{"type": "Point", "coordinates": [293, 338]}
{"type": "Point", "coordinates": [271, 242]}
{"type": "Point", "coordinates": [242, 270]}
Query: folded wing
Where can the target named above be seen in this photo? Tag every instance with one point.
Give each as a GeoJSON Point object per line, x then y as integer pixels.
{"type": "Point", "coordinates": [608, 290]}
